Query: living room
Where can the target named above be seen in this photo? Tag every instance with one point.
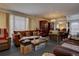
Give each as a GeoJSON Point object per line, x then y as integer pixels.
{"type": "Point", "coordinates": [39, 29]}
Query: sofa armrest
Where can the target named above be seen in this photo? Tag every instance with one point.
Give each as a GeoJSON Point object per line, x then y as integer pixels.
{"type": "Point", "coordinates": [61, 51]}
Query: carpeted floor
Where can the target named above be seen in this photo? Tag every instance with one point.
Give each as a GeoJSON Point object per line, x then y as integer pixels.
{"type": "Point", "coordinates": [14, 51]}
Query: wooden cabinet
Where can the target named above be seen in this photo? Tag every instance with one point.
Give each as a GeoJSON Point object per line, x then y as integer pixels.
{"type": "Point", "coordinates": [44, 28]}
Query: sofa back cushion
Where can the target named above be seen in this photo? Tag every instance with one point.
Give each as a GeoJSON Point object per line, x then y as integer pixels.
{"type": "Point", "coordinates": [36, 33]}
{"type": "Point", "coordinates": [3, 34]}
{"type": "Point", "coordinates": [28, 33]}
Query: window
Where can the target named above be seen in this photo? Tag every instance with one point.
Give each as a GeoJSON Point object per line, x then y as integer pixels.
{"type": "Point", "coordinates": [74, 28]}
{"type": "Point", "coordinates": [19, 23]}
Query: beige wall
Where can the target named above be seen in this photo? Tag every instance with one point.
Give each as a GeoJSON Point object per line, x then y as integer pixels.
{"type": "Point", "coordinates": [3, 22]}
{"type": "Point", "coordinates": [34, 22]}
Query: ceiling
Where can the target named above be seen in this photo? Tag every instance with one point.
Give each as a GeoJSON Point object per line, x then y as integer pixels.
{"type": "Point", "coordinates": [48, 10]}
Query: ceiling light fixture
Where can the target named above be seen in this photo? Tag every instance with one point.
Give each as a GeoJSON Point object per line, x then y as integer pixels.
{"type": "Point", "coordinates": [53, 20]}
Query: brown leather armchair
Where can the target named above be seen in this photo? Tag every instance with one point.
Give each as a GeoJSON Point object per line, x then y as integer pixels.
{"type": "Point", "coordinates": [4, 44]}
{"type": "Point", "coordinates": [4, 40]}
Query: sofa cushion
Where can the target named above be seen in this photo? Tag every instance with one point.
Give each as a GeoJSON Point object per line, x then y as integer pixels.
{"type": "Point", "coordinates": [1, 33]}
{"type": "Point", "coordinates": [3, 41]}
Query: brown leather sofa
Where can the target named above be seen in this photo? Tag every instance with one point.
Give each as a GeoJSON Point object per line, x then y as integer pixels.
{"type": "Point", "coordinates": [60, 51]}
{"type": "Point", "coordinates": [19, 34]}
{"type": "Point", "coordinates": [63, 51]}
